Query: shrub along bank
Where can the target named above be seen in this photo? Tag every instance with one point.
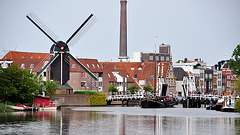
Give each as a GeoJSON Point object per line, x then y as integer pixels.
{"type": "Point", "coordinates": [95, 98]}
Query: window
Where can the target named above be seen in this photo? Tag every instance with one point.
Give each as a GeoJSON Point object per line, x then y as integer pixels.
{"type": "Point", "coordinates": [140, 68]}
{"type": "Point", "coordinates": [167, 58]}
{"type": "Point", "coordinates": [219, 83]}
{"type": "Point", "coordinates": [228, 77]}
{"type": "Point", "coordinates": [150, 58]}
{"type": "Point", "coordinates": [23, 65]}
{"type": "Point", "coordinates": [151, 76]}
{"type": "Point", "coordinates": [44, 74]}
{"type": "Point", "coordinates": [100, 84]}
{"type": "Point", "coordinates": [206, 76]}
{"type": "Point", "coordinates": [83, 84]}
{"type": "Point", "coordinates": [132, 68]}
{"type": "Point", "coordinates": [88, 66]}
{"type": "Point", "coordinates": [9, 64]}
{"type": "Point", "coordinates": [228, 84]}
{"type": "Point", "coordinates": [162, 58]}
{"type": "Point", "coordinates": [93, 65]}
{"type": "Point", "coordinates": [74, 65]}
{"type": "Point", "coordinates": [127, 75]}
{"type": "Point", "coordinates": [135, 76]}
{"type": "Point", "coordinates": [219, 75]}
{"type": "Point", "coordinates": [210, 76]}
{"type": "Point", "coordinates": [83, 75]}
{"type": "Point", "coordinates": [98, 66]}
{"type": "Point", "coordinates": [32, 65]}
{"type": "Point", "coordinates": [109, 75]}
{"type": "Point", "coordinates": [157, 58]}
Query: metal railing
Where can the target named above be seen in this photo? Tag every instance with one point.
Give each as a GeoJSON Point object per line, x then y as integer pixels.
{"type": "Point", "coordinates": [124, 97]}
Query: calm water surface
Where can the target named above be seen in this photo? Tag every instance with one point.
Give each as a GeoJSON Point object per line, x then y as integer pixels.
{"type": "Point", "coordinates": [121, 121]}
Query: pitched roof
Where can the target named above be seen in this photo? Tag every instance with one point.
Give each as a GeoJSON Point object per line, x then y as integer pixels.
{"type": "Point", "coordinates": [139, 70]}
{"type": "Point", "coordinates": [90, 64]}
{"type": "Point", "coordinates": [17, 55]}
{"type": "Point", "coordinates": [179, 73]}
{"type": "Point", "coordinates": [33, 64]}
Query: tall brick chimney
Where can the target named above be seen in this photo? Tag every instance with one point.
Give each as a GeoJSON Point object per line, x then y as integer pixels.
{"type": "Point", "coordinates": [123, 32]}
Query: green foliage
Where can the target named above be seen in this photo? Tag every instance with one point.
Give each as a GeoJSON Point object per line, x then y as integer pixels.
{"type": "Point", "coordinates": [236, 84]}
{"type": "Point", "coordinates": [17, 85]}
{"type": "Point", "coordinates": [112, 89]}
{"type": "Point", "coordinates": [98, 99]}
{"type": "Point", "coordinates": [85, 92]}
{"type": "Point", "coordinates": [4, 108]}
{"type": "Point", "coordinates": [133, 89]}
{"type": "Point", "coordinates": [180, 61]}
{"type": "Point", "coordinates": [49, 86]}
{"type": "Point", "coordinates": [235, 61]}
{"type": "Point", "coordinates": [237, 105]}
{"type": "Point", "coordinates": [148, 89]}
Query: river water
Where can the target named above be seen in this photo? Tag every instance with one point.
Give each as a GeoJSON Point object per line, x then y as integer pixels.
{"type": "Point", "coordinates": [118, 120]}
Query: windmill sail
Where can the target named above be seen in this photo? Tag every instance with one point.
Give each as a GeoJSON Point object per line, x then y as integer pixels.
{"type": "Point", "coordinates": [40, 25]}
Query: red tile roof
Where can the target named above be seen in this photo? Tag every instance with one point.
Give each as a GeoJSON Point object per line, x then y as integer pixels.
{"type": "Point", "coordinates": [142, 70]}
{"type": "Point", "coordinates": [92, 65]}
{"type": "Point", "coordinates": [14, 55]}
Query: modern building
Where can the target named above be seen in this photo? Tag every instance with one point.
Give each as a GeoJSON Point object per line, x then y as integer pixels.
{"type": "Point", "coordinates": [164, 55]}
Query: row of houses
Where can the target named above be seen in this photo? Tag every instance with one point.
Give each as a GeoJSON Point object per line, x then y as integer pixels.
{"type": "Point", "coordinates": [195, 74]}
{"type": "Point", "coordinates": [217, 79]}
{"type": "Point", "coordinates": [120, 74]}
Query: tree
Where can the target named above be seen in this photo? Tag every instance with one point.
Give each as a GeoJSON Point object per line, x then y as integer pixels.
{"type": "Point", "coordinates": [49, 86]}
{"type": "Point", "coordinates": [236, 84]}
{"type": "Point", "coordinates": [17, 85]}
{"type": "Point", "coordinates": [235, 61]}
{"type": "Point", "coordinates": [112, 89]}
{"type": "Point", "coordinates": [148, 89]}
{"type": "Point", "coordinates": [180, 61]}
{"type": "Point", "coordinates": [133, 89]}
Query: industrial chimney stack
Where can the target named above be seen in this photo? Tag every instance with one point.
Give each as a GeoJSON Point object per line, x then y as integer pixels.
{"type": "Point", "coordinates": [123, 32]}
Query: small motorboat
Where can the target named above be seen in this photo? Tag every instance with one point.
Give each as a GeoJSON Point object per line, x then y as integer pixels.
{"type": "Point", "coordinates": [211, 106]}
{"type": "Point", "coordinates": [229, 108]}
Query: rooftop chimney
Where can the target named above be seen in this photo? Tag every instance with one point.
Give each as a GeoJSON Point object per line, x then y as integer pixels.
{"type": "Point", "coordinates": [123, 32]}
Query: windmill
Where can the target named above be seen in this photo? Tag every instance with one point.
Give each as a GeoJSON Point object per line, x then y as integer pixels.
{"type": "Point", "coordinates": [60, 53]}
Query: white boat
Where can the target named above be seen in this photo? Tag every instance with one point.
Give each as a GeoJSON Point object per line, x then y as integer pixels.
{"type": "Point", "coordinates": [17, 108]}
{"type": "Point", "coordinates": [47, 108]}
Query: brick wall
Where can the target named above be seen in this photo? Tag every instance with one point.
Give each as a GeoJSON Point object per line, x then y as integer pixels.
{"type": "Point", "coordinates": [74, 99]}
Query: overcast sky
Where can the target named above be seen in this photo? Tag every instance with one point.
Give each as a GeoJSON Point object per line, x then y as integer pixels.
{"type": "Point", "coordinates": [206, 29]}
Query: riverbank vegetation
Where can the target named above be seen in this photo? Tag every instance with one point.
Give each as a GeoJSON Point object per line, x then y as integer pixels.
{"type": "Point", "coordinates": [86, 92]}
{"type": "Point", "coordinates": [19, 86]}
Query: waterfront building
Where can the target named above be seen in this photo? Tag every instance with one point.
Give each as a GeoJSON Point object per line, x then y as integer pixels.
{"type": "Point", "coordinates": [203, 76]}
{"type": "Point", "coordinates": [179, 75]}
{"type": "Point", "coordinates": [225, 78]}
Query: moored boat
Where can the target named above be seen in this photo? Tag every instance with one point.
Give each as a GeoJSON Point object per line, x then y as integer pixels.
{"type": "Point", "coordinates": [229, 108]}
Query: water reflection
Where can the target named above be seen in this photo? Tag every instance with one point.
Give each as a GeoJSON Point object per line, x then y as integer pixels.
{"type": "Point", "coordinates": [68, 121]}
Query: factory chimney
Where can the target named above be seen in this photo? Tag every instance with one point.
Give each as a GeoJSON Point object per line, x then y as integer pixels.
{"type": "Point", "coordinates": [123, 32]}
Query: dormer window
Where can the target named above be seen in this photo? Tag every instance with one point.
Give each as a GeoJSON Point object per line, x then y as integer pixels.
{"type": "Point", "coordinates": [88, 66]}
{"type": "Point", "coordinates": [109, 75]}
{"type": "Point", "coordinates": [132, 68]}
{"type": "Point", "coordinates": [98, 66]}
{"type": "Point", "coordinates": [74, 65]}
{"type": "Point", "coordinates": [23, 65]}
{"type": "Point", "coordinates": [32, 65]}
{"type": "Point", "coordinates": [140, 68]}
{"type": "Point", "coordinates": [93, 65]}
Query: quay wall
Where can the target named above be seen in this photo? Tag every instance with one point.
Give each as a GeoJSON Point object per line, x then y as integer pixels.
{"type": "Point", "coordinates": [74, 99]}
